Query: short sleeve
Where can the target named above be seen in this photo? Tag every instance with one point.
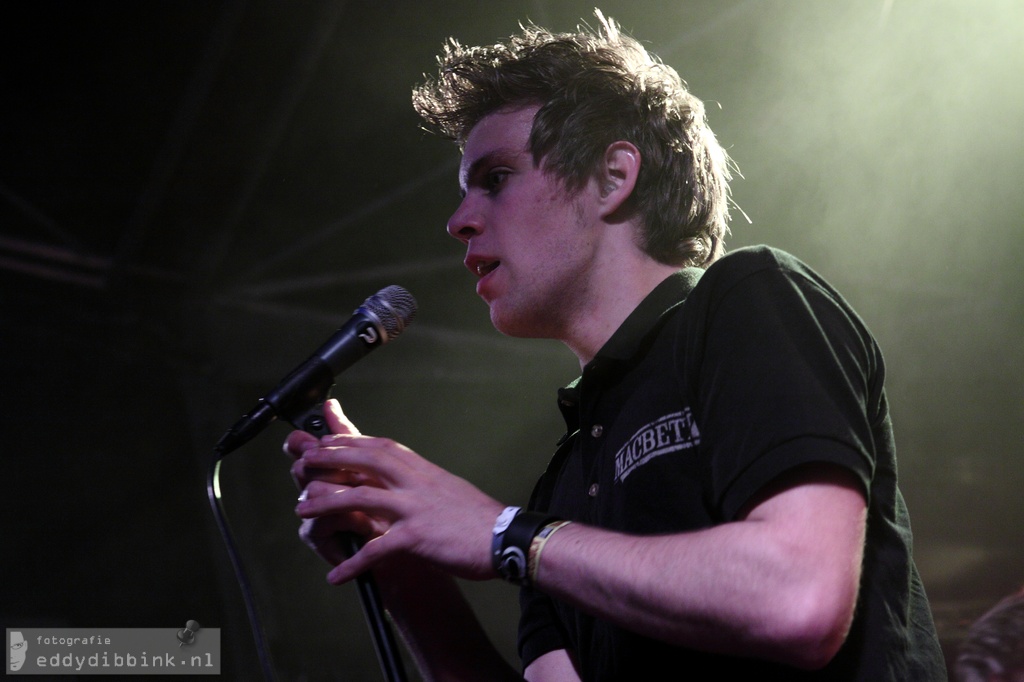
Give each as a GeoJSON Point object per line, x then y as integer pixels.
{"type": "Point", "coordinates": [788, 375]}
{"type": "Point", "coordinates": [539, 632]}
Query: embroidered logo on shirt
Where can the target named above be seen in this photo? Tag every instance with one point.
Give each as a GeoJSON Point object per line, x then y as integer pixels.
{"type": "Point", "coordinates": [671, 433]}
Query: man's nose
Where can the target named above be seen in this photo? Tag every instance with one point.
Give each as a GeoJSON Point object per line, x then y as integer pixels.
{"type": "Point", "coordinates": [466, 222]}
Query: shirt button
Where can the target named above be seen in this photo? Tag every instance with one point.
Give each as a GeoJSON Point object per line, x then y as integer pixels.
{"type": "Point", "coordinates": [593, 490]}
{"type": "Point", "coordinates": [596, 430]}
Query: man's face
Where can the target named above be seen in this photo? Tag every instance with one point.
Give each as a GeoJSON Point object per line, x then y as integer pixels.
{"type": "Point", "coordinates": [532, 246]}
{"type": "Point", "coordinates": [19, 649]}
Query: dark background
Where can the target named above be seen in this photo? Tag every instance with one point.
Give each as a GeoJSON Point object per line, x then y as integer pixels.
{"type": "Point", "coordinates": [194, 194]}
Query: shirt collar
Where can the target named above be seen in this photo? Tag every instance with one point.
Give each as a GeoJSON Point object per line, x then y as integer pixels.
{"type": "Point", "coordinates": [646, 317]}
{"type": "Point", "coordinates": [629, 338]}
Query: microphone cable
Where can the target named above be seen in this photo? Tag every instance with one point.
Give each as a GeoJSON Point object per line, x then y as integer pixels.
{"type": "Point", "coordinates": [248, 596]}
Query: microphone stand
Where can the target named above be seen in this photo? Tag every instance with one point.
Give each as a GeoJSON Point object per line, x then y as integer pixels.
{"type": "Point", "coordinates": [388, 654]}
{"type": "Point", "coordinates": [299, 398]}
{"type": "Point", "coordinates": [313, 422]}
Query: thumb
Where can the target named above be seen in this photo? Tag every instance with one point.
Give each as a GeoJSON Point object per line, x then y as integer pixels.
{"type": "Point", "coordinates": [336, 419]}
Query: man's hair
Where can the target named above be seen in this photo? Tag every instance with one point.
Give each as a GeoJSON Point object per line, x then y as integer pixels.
{"type": "Point", "coordinates": [595, 88]}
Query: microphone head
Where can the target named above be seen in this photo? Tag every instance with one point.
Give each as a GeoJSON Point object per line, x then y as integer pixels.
{"type": "Point", "coordinates": [393, 307]}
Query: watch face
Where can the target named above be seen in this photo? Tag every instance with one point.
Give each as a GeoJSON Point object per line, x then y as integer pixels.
{"type": "Point", "coordinates": [505, 518]}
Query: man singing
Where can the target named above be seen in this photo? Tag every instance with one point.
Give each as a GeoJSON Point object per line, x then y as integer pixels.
{"type": "Point", "coordinates": [725, 496]}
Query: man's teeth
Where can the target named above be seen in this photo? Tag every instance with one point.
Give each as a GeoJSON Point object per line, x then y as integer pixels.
{"type": "Point", "coordinates": [483, 268]}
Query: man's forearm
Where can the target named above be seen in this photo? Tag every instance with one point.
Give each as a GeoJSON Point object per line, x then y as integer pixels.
{"type": "Point", "coordinates": [780, 585]}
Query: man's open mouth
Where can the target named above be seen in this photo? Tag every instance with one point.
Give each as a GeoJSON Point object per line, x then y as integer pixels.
{"type": "Point", "coordinates": [485, 267]}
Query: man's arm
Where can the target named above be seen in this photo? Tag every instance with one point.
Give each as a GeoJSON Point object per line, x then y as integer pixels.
{"type": "Point", "coordinates": [554, 666]}
{"type": "Point", "coordinates": [780, 583]}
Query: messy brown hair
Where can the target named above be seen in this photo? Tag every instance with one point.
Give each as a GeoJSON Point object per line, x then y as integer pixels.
{"type": "Point", "coordinates": [596, 87]}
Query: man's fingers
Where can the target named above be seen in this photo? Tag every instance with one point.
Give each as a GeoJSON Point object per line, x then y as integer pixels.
{"type": "Point", "coordinates": [363, 560]}
{"type": "Point", "coordinates": [303, 473]}
{"type": "Point", "coordinates": [336, 419]}
{"type": "Point", "coordinates": [325, 535]}
{"type": "Point", "coordinates": [322, 499]}
{"type": "Point", "coordinates": [378, 458]}
{"type": "Point", "coordinates": [318, 534]}
{"type": "Point", "coordinates": [298, 442]}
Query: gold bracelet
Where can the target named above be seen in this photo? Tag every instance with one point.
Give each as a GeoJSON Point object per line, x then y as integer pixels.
{"type": "Point", "coordinates": [537, 545]}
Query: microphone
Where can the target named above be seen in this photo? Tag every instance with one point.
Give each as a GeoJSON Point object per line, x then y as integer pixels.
{"type": "Point", "coordinates": [300, 396]}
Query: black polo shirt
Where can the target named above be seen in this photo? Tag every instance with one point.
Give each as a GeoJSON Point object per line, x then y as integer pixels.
{"type": "Point", "coordinates": [716, 384]}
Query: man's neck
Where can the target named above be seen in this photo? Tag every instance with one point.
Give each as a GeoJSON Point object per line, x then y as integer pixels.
{"type": "Point", "coordinates": [623, 290]}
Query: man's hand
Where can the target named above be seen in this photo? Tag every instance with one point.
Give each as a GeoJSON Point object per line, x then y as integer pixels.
{"type": "Point", "coordinates": [323, 535]}
{"type": "Point", "coordinates": [421, 522]}
{"type": "Point", "coordinates": [387, 493]}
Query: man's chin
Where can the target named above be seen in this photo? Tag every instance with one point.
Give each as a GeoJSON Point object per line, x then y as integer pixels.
{"type": "Point", "coordinates": [515, 324]}
{"type": "Point", "coordinates": [501, 324]}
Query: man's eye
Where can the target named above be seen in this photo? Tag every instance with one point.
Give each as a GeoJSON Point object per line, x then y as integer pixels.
{"type": "Point", "coordinates": [495, 179]}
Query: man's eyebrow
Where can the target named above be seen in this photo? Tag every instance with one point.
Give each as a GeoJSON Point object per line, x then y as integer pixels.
{"type": "Point", "coordinates": [493, 157]}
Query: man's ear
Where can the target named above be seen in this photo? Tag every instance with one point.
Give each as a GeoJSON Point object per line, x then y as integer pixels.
{"type": "Point", "coordinates": [618, 175]}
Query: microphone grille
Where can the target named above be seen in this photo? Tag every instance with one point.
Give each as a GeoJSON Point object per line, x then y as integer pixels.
{"type": "Point", "coordinates": [394, 307]}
